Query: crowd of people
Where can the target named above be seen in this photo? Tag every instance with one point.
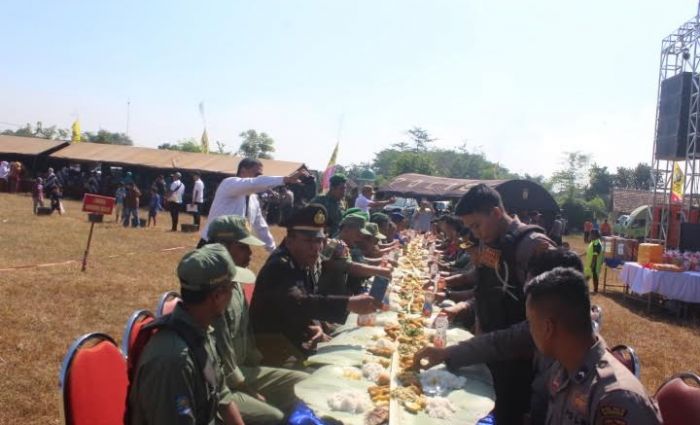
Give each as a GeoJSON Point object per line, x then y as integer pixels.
{"type": "Point", "coordinates": [525, 298]}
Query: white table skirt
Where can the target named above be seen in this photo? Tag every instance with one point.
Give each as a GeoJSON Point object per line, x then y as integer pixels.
{"type": "Point", "coordinates": [672, 285]}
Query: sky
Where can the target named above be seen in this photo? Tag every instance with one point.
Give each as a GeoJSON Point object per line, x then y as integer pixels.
{"type": "Point", "coordinates": [521, 82]}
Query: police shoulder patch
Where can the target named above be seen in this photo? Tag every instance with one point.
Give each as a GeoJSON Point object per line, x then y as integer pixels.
{"type": "Point", "coordinates": [182, 404]}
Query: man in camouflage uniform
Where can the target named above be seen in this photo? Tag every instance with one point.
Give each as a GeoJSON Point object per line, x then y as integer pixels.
{"type": "Point", "coordinates": [587, 384]}
{"type": "Point", "coordinates": [333, 201]}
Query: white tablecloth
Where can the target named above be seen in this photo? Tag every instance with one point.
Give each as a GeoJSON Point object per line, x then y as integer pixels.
{"type": "Point", "coordinates": [675, 286]}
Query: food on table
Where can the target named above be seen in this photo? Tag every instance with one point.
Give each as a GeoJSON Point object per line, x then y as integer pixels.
{"type": "Point", "coordinates": [408, 378]}
{"type": "Point", "coordinates": [440, 381]}
{"type": "Point", "coordinates": [411, 398]}
{"type": "Point", "coordinates": [383, 352]}
{"type": "Point", "coordinates": [440, 408]}
{"type": "Point", "coordinates": [392, 331]}
{"type": "Point", "coordinates": [380, 394]}
{"type": "Point", "coordinates": [371, 371]}
{"type": "Point", "coordinates": [352, 373]}
{"type": "Point", "coordinates": [351, 401]}
{"type": "Point", "coordinates": [378, 416]}
{"type": "Point", "coordinates": [384, 378]}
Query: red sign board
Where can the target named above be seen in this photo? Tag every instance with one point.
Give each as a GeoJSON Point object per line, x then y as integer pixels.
{"type": "Point", "coordinates": [98, 204]}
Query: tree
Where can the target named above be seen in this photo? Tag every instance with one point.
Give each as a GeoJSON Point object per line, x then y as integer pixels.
{"type": "Point", "coordinates": [256, 145]}
{"type": "Point", "coordinates": [412, 162]}
{"type": "Point", "coordinates": [624, 178]}
{"type": "Point", "coordinates": [189, 144]}
{"type": "Point", "coordinates": [39, 131]}
{"type": "Point", "coordinates": [568, 182]}
{"type": "Point", "coordinates": [221, 149]}
{"type": "Point", "coordinates": [642, 176]}
{"type": "Point", "coordinates": [600, 182]}
{"type": "Point", "coordinates": [420, 139]}
{"type": "Point", "coordinates": [107, 138]}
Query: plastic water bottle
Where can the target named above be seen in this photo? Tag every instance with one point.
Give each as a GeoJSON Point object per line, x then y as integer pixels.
{"type": "Point", "coordinates": [441, 324]}
{"type": "Point", "coordinates": [428, 303]}
{"type": "Point", "coordinates": [366, 319]}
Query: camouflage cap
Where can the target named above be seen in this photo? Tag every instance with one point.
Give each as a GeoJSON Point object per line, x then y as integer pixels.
{"type": "Point", "coordinates": [208, 267]}
{"type": "Point", "coordinates": [356, 211]}
{"type": "Point", "coordinates": [231, 228]}
{"type": "Point", "coordinates": [355, 221]}
{"type": "Point", "coordinates": [379, 218]}
{"type": "Point", "coordinates": [373, 230]}
{"type": "Point", "coordinates": [337, 179]}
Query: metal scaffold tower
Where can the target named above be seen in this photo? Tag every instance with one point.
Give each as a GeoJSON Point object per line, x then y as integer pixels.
{"type": "Point", "coordinates": [680, 54]}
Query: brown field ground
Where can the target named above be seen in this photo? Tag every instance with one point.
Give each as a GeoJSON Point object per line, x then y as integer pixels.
{"type": "Point", "coordinates": [43, 309]}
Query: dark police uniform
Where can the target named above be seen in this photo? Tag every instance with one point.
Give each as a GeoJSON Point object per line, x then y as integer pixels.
{"type": "Point", "coordinates": [285, 301]}
{"type": "Point", "coordinates": [602, 392]}
{"type": "Point", "coordinates": [500, 303]}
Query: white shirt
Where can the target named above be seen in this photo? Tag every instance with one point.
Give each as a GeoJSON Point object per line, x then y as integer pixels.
{"type": "Point", "coordinates": [230, 199]}
{"type": "Point", "coordinates": [198, 192]}
{"type": "Point", "coordinates": [178, 189]}
{"type": "Point", "coordinates": [362, 203]}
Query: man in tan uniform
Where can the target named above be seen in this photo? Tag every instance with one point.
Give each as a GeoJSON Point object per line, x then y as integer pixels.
{"type": "Point", "coordinates": [264, 395]}
{"type": "Point", "coordinates": [587, 385]}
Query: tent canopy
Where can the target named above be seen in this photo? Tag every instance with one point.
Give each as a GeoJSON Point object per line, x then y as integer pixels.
{"type": "Point", "coordinates": [166, 159]}
{"type": "Point", "coordinates": [517, 195]}
{"type": "Point", "coordinates": [15, 145]}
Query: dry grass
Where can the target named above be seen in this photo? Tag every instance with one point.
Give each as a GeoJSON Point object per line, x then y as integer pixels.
{"type": "Point", "coordinates": [44, 309]}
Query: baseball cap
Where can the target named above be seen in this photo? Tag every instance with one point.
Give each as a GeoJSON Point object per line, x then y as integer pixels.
{"type": "Point", "coordinates": [373, 230]}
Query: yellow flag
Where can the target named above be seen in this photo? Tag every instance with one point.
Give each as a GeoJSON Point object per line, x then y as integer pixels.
{"type": "Point", "coordinates": [205, 142]}
{"type": "Point", "coordinates": [75, 138]}
{"type": "Point", "coordinates": [677, 183]}
{"type": "Point", "coordinates": [330, 170]}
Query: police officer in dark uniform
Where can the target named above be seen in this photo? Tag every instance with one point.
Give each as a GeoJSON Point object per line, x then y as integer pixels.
{"type": "Point", "coordinates": [286, 309]}
{"type": "Point", "coordinates": [587, 385]}
{"type": "Point", "coordinates": [506, 246]}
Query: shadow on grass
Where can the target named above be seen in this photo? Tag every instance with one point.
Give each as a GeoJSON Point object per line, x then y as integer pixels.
{"type": "Point", "coordinates": [659, 310]}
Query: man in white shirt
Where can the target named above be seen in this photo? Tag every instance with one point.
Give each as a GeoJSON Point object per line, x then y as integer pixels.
{"type": "Point", "coordinates": [197, 197]}
{"type": "Point", "coordinates": [175, 192]}
{"type": "Point", "coordinates": [237, 195]}
{"type": "Point", "coordinates": [364, 201]}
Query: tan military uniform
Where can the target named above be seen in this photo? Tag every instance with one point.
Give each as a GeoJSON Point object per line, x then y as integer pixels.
{"type": "Point", "coordinates": [602, 392]}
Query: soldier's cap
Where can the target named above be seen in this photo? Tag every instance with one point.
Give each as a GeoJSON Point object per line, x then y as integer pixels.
{"type": "Point", "coordinates": [177, 174]}
{"type": "Point", "coordinates": [310, 220]}
{"type": "Point", "coordinates": [337, 179]}
{"type": "Point", "coordinates": [356, 211]}
{"type": "Point", "coordinates": [231, 228]}
{"type": "Point", "coordinates": [355, 221]}
{"type": "Point", "coordinates": [379, 218]}
{"type": "Point", "coordinates": [209, 267]}
{"type": "Point", "coordinates": [373, 229]}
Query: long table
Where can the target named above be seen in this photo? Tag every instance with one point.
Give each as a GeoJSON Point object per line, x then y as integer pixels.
{"type": "Point", "coordinates": [347, 349]}
{"type": "Point", "coordinates": [678, 286]}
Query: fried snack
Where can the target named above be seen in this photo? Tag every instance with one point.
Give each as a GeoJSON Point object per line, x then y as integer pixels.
{"type": "Point", "coordinates": [377, 416]}
{"type": "Point", "coordinates": [379, 394]}
{"type": "Point", "coordinates": [409, 378]}
{"type": "Point", "coordinates": [381, 351]}
{"type": "Point", "coordinates": [411, 398]}
{"type": "Point", "coordinates": [392, 330]}
{"type": "Point", "coordinates": [384, 378]}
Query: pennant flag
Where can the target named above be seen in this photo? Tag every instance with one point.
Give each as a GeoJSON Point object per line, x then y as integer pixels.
{"type": "Point", "coordinates": [677, 182]}
{"type": "Point", "coordinates": [75, 130]}
{"type": "Point", "coordinates": [205, 142]}
{"type": "Point", "coordinates": [330, 170]}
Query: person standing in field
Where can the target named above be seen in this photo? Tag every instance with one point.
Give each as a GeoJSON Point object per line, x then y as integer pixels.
{"type": "Point", "coordinates": [557, 230]}
{"type": "Point", "coordinates": [56, 204]}
{"type": "Point", "coordinates": [177, 189]}
{"type": "Point", "coordinates": [238, 196]}
{"type": "Point", "coordinates": [605, 229]}
{"type": "Point", "coordinates": [594, 259]}
{"type": "Point", "coordinates": [131, 205]}
{"type": "Point", "coordinates": [154, 205]}
{"type": "Point", "coordinates": [38, 194]}
{"type": "Point", "coordinates": [119, 196]}
{"type": "Point", "coordinates": [587, 228]}
{"type": "Point", "coordinates": [197, 197]}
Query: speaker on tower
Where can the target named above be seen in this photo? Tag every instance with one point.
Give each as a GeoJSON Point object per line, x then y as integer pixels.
{"type": "Point", "coordinates": [674, 108]}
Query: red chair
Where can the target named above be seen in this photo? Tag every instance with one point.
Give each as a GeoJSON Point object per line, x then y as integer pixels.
{"type": "Point", "coordinates": [679, 402]}
{"type": "Point", "coordinates": [248, 289]}
{"type": "Point", "coordinates": [628, 357]}
{"type": "Point", "coordinates": [137, 320]}
{"type": "Point", "coordinates": [166, 303]}
{"type": "Point", "coordinates": [93, 382]}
